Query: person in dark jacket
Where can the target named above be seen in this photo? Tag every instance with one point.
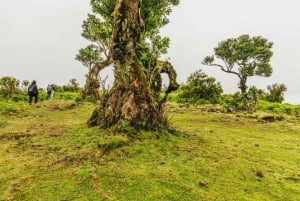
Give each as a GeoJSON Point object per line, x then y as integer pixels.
{"type": "Point", "coordinates": [33, 91]}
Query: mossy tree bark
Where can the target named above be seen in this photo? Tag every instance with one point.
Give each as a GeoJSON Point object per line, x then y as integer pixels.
{"type": "Point", "coordinates": [131, 100]}
{"type": "Point", "coordinates": [92, 84]}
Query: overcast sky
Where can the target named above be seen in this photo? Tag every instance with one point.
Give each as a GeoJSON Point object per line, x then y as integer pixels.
{"type": "Point", "coordinates": [40, 38]}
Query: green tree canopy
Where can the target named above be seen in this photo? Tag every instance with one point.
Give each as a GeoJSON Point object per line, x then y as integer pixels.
{"type": "Point", "coordinates": [244, 57]}
{"type": "Point", "coordinates": [98, 28]}
{"type": "Point", "coordinates": [89, 56]}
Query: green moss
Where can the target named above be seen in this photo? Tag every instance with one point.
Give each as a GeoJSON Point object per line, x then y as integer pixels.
{"type": "Point", "coordinates": [51, 155]}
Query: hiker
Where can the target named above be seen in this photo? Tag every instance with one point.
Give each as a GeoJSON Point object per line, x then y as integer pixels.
{"type": "Point", "coordinates": [33, 91]}
{"type": "Point", "coordinates": [50, 91]}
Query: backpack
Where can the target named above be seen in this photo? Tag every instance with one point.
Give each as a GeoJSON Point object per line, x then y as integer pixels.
{"type": "Point", "coordinates": [31, 88]}
{"type": "Point", "coordinates": [49, 88]}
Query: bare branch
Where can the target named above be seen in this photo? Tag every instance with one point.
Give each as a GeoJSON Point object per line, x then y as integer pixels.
{"type": "Point", "coordinates": [167, 67]}
{"type": "Point", "coordinates": [92, 84]}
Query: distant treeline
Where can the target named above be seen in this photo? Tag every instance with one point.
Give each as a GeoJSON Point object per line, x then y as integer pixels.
{"type": "Point", "coordinates": [13, 89]}
{"type": "Point", "coordinates": [199, 89]}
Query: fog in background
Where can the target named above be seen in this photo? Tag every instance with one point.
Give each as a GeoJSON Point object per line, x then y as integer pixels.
{"type": "Point", "coordinates": [40, 38]}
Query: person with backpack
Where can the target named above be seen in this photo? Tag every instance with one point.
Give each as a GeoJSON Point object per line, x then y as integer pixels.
{"type": "Point", "coordinates": [33, 91]}
{"type": "Point", "coordinates": [50, 91]}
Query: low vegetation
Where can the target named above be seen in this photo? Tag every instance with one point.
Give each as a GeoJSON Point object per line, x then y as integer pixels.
{"type": "Point", "coordinates": [204, 146]}
{"type": "Point", "coordinates": [48, 153]}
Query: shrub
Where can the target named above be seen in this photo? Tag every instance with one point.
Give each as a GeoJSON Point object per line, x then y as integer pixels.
{"type": "Point", "coordinates": [279, 107]}
{"type": "Point", "coordinates": [8, 86]}
{"type": "Point", "coordinates": [11, 108]}
{"type": "Point", "coordinates": [68, 96]}
{"type": "Point", "coordinates": [243, 101]}
{"type": "Point", "coordinates": [200, 89]}
{"type": "Point", "coordinates": [275, 93]}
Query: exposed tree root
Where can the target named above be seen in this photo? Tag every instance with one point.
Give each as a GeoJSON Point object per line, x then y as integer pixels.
{"type": "Point", "coordinates": [97, 186]}
{"type": "Point", "coordinates": [67, 159]}
{"type": "Point", "coordinates": [293, 178]}
{"type": "Point", "coordinates": [16, 185]}
{"type": "Point", "coordinates": [78, 158]}
{"type": "Point", "coordinates": [15, 136]}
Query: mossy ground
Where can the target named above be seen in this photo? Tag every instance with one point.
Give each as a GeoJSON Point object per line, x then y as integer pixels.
{"type": "Point", "coordinates": [48, 153]}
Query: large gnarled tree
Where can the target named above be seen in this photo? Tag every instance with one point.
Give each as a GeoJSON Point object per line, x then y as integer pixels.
{"type": "Point", "coordinates": [244, 57]}
{"type": "Point", "coordinates": [128, 33]}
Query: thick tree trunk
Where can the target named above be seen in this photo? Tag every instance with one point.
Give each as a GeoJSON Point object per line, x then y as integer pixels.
{"type": "Point", "coordinates": [242, 85]}
{"type": "Point", "coordinates": [129, 102]}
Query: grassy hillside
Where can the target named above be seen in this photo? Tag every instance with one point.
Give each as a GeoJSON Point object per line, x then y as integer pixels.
{"type": "Point", "coordinates": [48, 153]}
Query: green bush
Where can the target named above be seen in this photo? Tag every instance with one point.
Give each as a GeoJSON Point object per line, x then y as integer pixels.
{"type": "Point", "coordinates": [8, 86]}
{"type": "Point", "coordinates": [200, 89]}
{"type": "Point", "coordinates": [68, 96]}
{"type": "Point", "coordinates": [243, 101]}
{"type": "Point", "coordinates": [9, 107]}
{"type": "Point", "coordinates": [279, 107]}
{"type": "Point", "coordinates": [275, 93]}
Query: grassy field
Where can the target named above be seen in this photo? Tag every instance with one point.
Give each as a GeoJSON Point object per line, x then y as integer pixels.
{"type": "Point", "coordinates": [47, 153]}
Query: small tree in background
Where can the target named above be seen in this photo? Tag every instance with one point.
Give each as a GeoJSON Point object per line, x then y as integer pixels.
{"type": "Point", "coordinates": [89, 56]}
{"type": "Point", "coordinates": [276, 93]}
{"type": "Point", "coordinates": [200, 88]}
{"type": "Point", "coordinates": [8, 86]}
{"type": "Point", "coordinates": [74, 83]}
{"type": "Point", "coordinates": [244, 57]}
{"type": "Point", "coordinates": [25, 84]}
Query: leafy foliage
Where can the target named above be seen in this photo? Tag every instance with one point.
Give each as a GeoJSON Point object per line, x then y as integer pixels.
{"type": "Point", "coordinates": [275, 93]}
{"type": "Point", "coordinates": [97, 29]}
{"type": "Point", "coordinates": [200, 88]}
{"type": "Point", "coordinates": [89, 56]}
{"type": "Point", "coordinates": [9, 107]}
{"type": "Point", "coordinates": [127, 32]}
{"type": "Point", "coordinates": [8, 85]}
{"type": "Point", "coordinates": [11, 92]}
{"type": "Point", "coordinates": [244, 57]}
{"type": "Point", "coordinates": [72, 86]}
{"type": "Point", "coordinates": [279, 108]}
{"type": "Point", "coordinates": [25, 84]}
{"type": "Point", "coordinates": [243, 101]}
